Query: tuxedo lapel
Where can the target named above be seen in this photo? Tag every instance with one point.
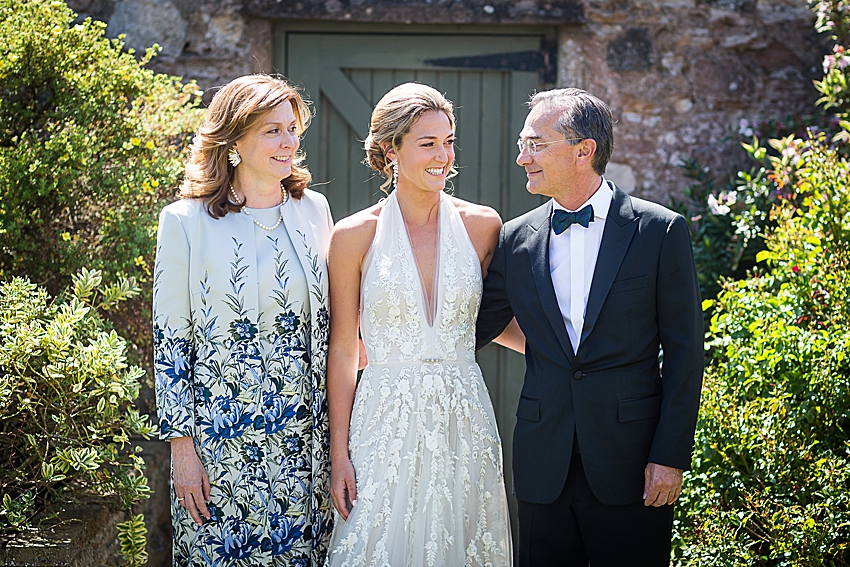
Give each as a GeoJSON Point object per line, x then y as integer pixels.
{"type": "Point", "coordinates": [539, 228]}
{"type": "Point", "coordinates": [619, 229]}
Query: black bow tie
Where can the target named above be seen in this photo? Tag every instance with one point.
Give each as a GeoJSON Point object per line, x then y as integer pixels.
{"type": "Point", "coordinates": [561, 219]}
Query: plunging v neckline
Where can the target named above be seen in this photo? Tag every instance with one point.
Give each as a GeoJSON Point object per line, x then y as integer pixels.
{"type": "Point", "coordinates": [428, 305]}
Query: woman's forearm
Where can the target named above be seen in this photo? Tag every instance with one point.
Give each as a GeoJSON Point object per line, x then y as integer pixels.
{"type": "Point", "coordinates": [342, 378]}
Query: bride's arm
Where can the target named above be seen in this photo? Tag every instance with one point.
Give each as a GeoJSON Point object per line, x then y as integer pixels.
{"type": "Point", "coordinates": [483, 225]}
{"type": "Point", "coordinates": [349, 243]}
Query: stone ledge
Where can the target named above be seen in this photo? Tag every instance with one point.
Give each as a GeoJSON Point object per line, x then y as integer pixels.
{"type": "Point", "coordinates": [549, 12]}
{"type": "Point", "coordinates": [83, 535]}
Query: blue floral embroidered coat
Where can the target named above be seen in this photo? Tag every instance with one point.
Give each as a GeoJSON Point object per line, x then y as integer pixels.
{"type": "Point", "coordinates": [239, 382]}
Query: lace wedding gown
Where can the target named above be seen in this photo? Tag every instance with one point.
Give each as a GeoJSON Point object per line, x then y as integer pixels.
{"type": "Point", "coordinates": [423, 438]}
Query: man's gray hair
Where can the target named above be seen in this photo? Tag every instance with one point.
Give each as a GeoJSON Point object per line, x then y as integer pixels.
{"type": "Point", "coordinates": [581, 115]}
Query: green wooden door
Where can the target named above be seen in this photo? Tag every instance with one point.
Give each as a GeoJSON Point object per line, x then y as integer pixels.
{"type": "Point", "coordinates": [345, 74]}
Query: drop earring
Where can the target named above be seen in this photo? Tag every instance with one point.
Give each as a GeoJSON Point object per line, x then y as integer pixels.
{"type": "Point", "coordinates": [233, 157]}
{"type": "Point", "coordinates": [395, 174]}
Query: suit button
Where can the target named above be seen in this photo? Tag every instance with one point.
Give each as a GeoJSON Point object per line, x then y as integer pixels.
{"type": "Point", "coordinates": [577, 374]}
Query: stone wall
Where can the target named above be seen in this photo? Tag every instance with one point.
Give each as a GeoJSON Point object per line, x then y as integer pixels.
{"type": "Point", "coordinates": [679, 74]}
{"type": "Point", "coordinates": [210, 41]}
{"type": "Point", "coordinates": [79, 536]}
{"type": "Point", "coordinates": [85, 534]}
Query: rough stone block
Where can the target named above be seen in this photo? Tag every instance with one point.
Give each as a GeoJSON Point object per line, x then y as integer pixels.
{"type": "Point", "coordinates": [81, 536]}
{"type": "Point", "coordinates": [146, 22]}
{"type": "Point", "coordinates": [631, 51]}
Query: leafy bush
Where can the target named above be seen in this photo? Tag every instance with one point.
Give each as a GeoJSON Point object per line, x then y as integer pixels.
{"type": "Point", "coordinates": [132, 535]}
{"type": "Point", "coordinates": [772, 461]}
{"type": "Point", "coordinates": [833, 17]}
{"type": "Point", "coordinates": [771, 479]}
{"type": "Point", "coordinates": [91, 146]}
{"type": "Point", "coordinates": [66, 399]}
{"type": "Point", "coordinates": [726, 222]}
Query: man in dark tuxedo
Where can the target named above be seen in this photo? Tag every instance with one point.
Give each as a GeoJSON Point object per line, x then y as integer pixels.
{"type": "Point", "coordinates": [604, 287]}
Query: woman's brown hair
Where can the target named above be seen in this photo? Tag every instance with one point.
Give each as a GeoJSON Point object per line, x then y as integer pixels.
{"type": "Point", "coordinates": [234, 109]}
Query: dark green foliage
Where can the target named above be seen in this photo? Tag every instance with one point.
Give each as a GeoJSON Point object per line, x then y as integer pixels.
{"type": "Point", "coordinates": [771, 478]}
{"type": "Point", "coordinates": [66, 398]}
{"type": "Point", "coordinates": [728, 220]}
{"type": "Point", "coordinates": [132, 537]}
{"type": "Point", "coordinates": [91, 147]}
{"type": "Point", "coordinates": [772, 462]}
{"type": "Point", "coordinates": [726, 223]}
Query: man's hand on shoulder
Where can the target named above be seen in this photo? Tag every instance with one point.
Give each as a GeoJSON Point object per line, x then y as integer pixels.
{"type": "Point", "coordinates": [662, 485]}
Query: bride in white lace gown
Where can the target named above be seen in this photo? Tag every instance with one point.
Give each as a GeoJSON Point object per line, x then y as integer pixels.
{"type": "Point", "coordinates": [419, 433]}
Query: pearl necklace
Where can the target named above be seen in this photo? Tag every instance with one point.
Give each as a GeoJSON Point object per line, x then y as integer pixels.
{"type": "Point", "coordinates": [256, 222]}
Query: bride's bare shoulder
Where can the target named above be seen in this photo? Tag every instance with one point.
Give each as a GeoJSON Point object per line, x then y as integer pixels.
{"type": "Point", "coordinates": [355, 232]}
{"type": "Point", "coordinates": [477, 217]}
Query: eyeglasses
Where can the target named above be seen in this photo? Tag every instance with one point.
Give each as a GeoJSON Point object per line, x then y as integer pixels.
{"type": "Point", "coordinates": [533, 147]}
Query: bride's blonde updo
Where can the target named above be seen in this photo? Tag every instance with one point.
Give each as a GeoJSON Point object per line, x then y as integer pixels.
{"type": "Point", "coordinates": [392, 119]}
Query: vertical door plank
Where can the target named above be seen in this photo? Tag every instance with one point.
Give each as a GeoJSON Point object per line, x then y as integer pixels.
{"type": "Point", "coordinates": [359, 174]}
{"type": "Point", "coordinates": [519, 200]}
{"type": "Point", "coordinates": [403, 76]}
{"type": "Point", "coordinates": [362, 79]}
{"type": "Point", "coordinates": [304, 67]}
{"type": "Point", "coordinates": [317, 133]}
{"type": "Point", "coordinates": [338, 153]}
{"type": "Point", "coordinates": [426, 77]}
{"type": "Point", "coordinates": [493, 127]}
{"type": "Point", "coordinates": [373, 183]}
{"type": "Point", "coordinates": [382, 82]}
{"type": "Point", "coordinates": [468, 149]}
{"type": "Point", "coordinates": [448, 83]}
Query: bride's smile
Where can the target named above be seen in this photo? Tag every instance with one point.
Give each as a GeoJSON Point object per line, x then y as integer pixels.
{"type": "Point", "coordinates": [425, 157]}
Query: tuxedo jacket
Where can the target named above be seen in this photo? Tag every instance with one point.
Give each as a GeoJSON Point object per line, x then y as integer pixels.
{"type": "Point", "coordinates": [615, 395]}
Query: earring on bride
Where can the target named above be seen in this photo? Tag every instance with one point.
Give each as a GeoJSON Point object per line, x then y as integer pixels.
{"type": "Point", "coordinates": [395, 174]}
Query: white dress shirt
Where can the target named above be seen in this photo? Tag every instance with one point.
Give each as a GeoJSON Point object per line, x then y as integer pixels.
{"type": "Point", "coordinates": [572, 259]}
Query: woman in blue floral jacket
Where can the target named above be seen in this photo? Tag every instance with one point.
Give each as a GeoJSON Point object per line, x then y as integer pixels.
{"type": "Point", "coordinates": [241, 333]}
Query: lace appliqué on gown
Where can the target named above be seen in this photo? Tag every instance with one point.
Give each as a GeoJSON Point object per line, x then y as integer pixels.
{"type": "Point", "coordinates": [423, 438]}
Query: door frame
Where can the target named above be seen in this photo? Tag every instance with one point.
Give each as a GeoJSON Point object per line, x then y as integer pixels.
{"type": "Point", "coordinates": [282, 29]}
{"type": "Point", "coordinates": [506, 367]}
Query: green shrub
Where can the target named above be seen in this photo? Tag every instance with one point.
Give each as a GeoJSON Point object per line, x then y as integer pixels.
{"type": "Point", "coordinates": [132, 537]}
{"type": "Point", "coordinates": [771, 479]}
{"type": "Point", "coordinates": [728, 219]}
{"type": "Point", "coordinates": [726, 222]}
{"type": "Point", "coordinates": [66, 399]}
{"type": "Point", "coordinates": [91, 148]}
{"type": "Point", "coordinates": [772, 459]}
